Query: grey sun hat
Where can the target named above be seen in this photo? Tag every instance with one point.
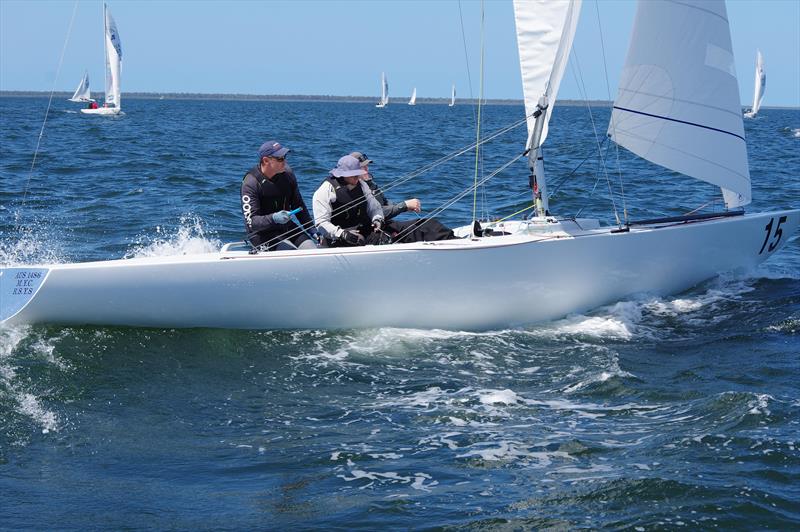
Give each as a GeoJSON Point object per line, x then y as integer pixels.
{"type": "Point", "coordinates": [348, 166]}
{"type": "Point", "coordinates": [272, 148]}
{"type": "Point", "coordinates": [362, 158]}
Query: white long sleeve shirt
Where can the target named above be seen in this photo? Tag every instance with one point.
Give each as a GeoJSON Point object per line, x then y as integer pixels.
{"type": "Point", "coordinates": [325, 196]}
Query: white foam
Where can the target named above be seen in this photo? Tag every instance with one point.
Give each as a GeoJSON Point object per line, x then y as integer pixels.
{"type": "Point", "coordinates": [189, 238]}
{"type": "Point", "coordinates": [416, 481]}
{"type": "Point", "coordinates": [31, 244]}
{"type": "Point", "coordinates": [30, 406]}
{"type": "Point", "coordinates": [796, 133]}
{"type": "Point", "coordinates": [512, 451]}
{"type": "Point", "coordinates": [760, 404]}
{"type": "Point", "coordinates": [27, 403]}
{"type": "Point", "coordinates": [503, 397]}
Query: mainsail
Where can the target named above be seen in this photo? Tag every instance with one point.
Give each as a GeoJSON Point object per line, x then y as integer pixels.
{"type": "Point", "coordinates": [82, 93]}
{"type": "Point", "coordinates": [678, 101]}
{"type": "Point", "coordinates": [453, 96]}
{"type": "Point", "coordinates": [545, 31]}
{"type": "Point", "coordinates": [113, 48]}
{"type": "Point", "coordinates": [413, 100]}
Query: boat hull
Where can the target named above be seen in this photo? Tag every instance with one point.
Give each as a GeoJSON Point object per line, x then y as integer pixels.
{"type": "Point", "coordinates": [465, 284]}
{"type": "Point", "coordinates": [103, 111]}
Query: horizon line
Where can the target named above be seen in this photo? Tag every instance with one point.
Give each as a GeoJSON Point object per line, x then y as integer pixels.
{"type": "Point", "coordinates": [146, 95]}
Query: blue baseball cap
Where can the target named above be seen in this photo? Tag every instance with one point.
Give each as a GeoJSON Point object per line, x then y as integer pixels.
{"type": "Point", "coordinates": [348, 166]}
{"type": "Point", "coordinates": [272, 148]}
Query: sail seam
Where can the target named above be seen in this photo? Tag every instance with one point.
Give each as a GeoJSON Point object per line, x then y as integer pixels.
{"type": "Point", "coordinates": [698, 8]}
{"type": "Point", "coordinates": [638, 92]}
{"type": "Point", "coordinates": [680, 122]}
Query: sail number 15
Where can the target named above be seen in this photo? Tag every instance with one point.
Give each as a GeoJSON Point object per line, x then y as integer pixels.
{"type": "Point", "coordinates": [776, 237]}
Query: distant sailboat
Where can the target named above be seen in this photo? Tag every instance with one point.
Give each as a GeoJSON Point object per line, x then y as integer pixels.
{"type": "Point", "coordinates": [760, 86]}
{"type": "Point", "coordinates": [384, 92]}
{"type": "Point", "coordinates": [452, 97]}
{"type": "Point", "coordinates": [82, 93]}
{"type": "Point", "coordinates": [113, 48]}
{"type": "Point", "coordinates": [413, 100]}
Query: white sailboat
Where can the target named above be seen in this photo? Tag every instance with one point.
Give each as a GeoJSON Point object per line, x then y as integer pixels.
{"type": "Point", "coordinates": [113, 52]}
{"type": "Point", "coordinates": [452, 96]}
{"type": "Point", "coordinates": [413, 100]}
{"type": "Point", "coordinates": [82, 93]}
{"type": "Point", "coordinates": [760, 86]}
{"type": "Point", "coordinates": [542, 267]}
{"type": "Point", "coordinates": [384, 92]}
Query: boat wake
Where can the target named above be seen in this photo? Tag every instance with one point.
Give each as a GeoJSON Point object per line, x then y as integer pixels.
{"type": "Point", "coordinates": [191, 236]}
{"type": "Point", "coordinates": [18, 395]}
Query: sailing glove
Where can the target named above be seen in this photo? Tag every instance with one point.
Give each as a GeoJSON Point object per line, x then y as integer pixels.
{"type": "Point", "coordinates": [377, 224]}
{"type": "Point", "coordinates": [352, 238]}
{"type": "Point", "coordinates": [280, 217]}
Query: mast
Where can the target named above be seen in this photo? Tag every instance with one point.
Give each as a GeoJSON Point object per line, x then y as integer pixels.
{"type": "Point", "coordinates": [536, 161]}
{"type": "Point", "coordinates": [105, 53]}
{"type": "Point", "coordinates": [545, 31]}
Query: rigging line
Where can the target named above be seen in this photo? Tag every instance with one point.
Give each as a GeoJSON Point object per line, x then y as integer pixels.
{"type": "Point", "coordinates": [529, 207]}
{"type": "Point", "coordinates": [582, 87]}
{"type": "Point", "coordinates": [466, 58]}
{"type": "Point", "coordinates": [591, 192]}
{"type": "Point", "coordinates": [430, 166]}
{"type": "Point", "coordinates": [49, 103]}
{"type": "Point", "coordinates": [462, 194]}
{"type": "Point", "coordinates": [611, 121]}
{"type": "Point", "coordinates": [478, 132]}
{"type": "Point", "coordinates": [564, 179]}
{"type": "Point", "coordinates": [416, 173]}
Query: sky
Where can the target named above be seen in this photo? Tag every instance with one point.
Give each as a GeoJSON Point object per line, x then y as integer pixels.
{"type": "Point", "coordinates": [340, 48]}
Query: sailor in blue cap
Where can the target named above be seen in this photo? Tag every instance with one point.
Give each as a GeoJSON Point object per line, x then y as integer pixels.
{"type": "Point", "coordinates": [269, 194]}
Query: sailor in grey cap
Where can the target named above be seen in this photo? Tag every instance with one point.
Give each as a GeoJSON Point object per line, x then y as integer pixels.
{"type": "Point", "coordinates": [345, 210]}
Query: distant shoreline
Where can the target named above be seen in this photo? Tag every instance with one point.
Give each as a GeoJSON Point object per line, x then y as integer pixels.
{"type": "Point", "coordinates": [284, 98]}
{"type": "Point", "coordinates": [312, 98]}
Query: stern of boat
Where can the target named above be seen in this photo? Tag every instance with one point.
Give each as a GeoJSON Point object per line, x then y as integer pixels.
{"type": "Point", "coordinates": [18, 286]}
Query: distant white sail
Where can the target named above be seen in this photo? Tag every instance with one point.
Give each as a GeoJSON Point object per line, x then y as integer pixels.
{"type": "Point", "coordinates": [453, 96]}
{"type": "Point", "coordinates": [413, 100]}
{"type": "Point", "coordinates": [113, 47]}
{"type": "Point", "coordinates": [678, 102]}
{"type": "Point", "coordinates": [384, 91]}
{"type": "Point", "coordinates": [82, 93]}
{"type": "Point", "coordinates": [759, 87]}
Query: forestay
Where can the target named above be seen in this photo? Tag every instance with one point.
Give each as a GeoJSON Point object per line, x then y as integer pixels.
{"type": "Point", "coordinates": [678, 101]}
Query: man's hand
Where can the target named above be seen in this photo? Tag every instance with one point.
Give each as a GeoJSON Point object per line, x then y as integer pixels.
{"type": "Point", "coordinates": [377, 224]}
{"type": "Point", "coordinates": [352, 238]}
{"type": "Point", "coordinates": [413, 205]}
{"type": "Point", "coordinates": [280, 217]}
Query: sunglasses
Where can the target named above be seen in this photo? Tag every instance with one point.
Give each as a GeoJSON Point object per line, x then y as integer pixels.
{"type": "Point", "coordinates": [363, 158]}
{"type": "Point", "coordinates": [279, 159]}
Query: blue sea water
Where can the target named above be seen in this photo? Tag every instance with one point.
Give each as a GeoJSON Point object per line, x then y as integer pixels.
{"type": "Point", "coordinates": [650, 413]}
